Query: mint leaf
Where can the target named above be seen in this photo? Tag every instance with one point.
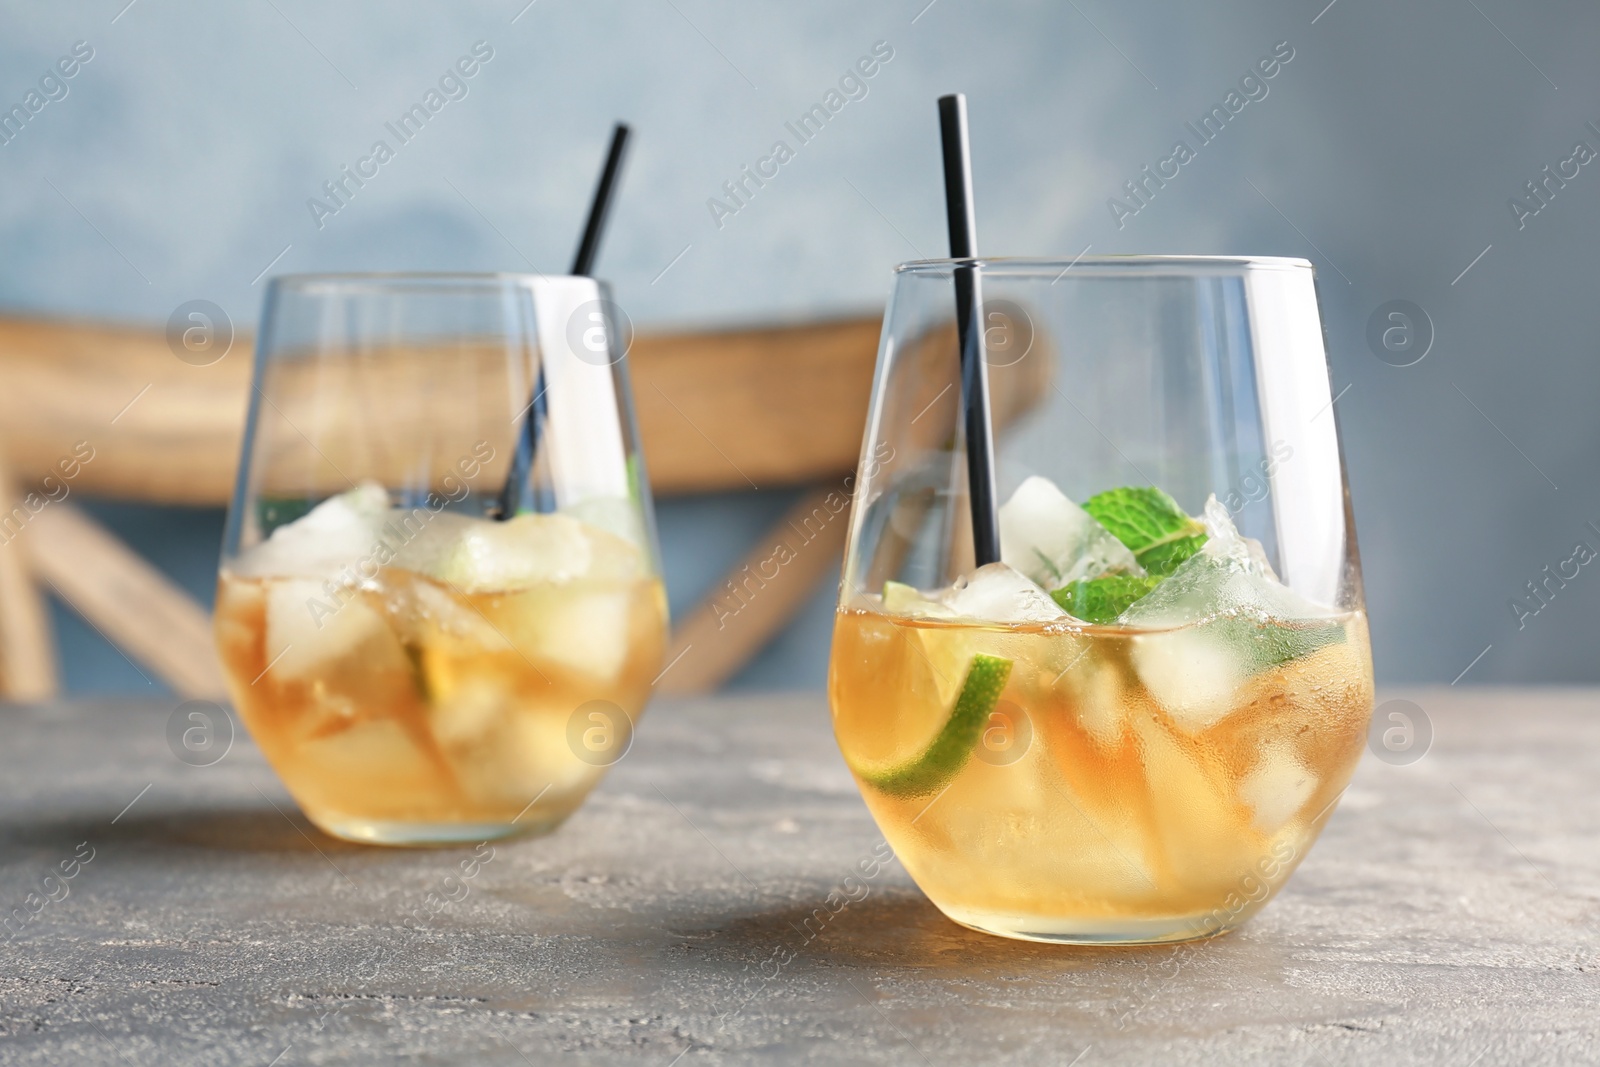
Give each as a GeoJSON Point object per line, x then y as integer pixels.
{"type": "Point", "coordinates": [1162, 559]}
{"type": "Point", "coordinates": [1156, 530]}
{"type": "Point", "coordinates": [1263, 645]}
{"type": "Point", "coordinates": [1101, 600]}
{"type": "Point", "coordinates": [273, 512]}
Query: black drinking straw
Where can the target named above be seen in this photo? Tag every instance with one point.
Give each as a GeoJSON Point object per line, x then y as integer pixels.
{"type": "Point", "coordinates": [969, 327]}
{"type": "Point", "coordinates": [600, 208]}
{"type": "Point", "coordinates": [582, 266]}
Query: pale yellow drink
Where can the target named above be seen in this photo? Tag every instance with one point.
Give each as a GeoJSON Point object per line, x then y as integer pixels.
{"type": "Point", "coordinates": [1122, 789]}
{"type": "Point", "coordinates": [421, 709]}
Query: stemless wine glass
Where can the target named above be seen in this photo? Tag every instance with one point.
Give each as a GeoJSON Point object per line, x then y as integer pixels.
{"type": "Point", "coordinates": [440, 606]}
{"type": "Point", "coordinates": [1132, 727]}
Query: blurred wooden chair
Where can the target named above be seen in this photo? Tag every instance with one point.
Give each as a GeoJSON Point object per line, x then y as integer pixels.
{"type": "Point", "coordinates": [771, 407]}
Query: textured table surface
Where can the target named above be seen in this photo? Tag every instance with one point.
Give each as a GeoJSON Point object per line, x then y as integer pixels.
{"type": "Point", "coordinates": [1449, 915]}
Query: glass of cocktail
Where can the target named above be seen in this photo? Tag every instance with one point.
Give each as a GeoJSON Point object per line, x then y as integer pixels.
{"type": "Point", "coordinates": [1131, 726]}
{"type": "Point", "coordinates": [440, 607]}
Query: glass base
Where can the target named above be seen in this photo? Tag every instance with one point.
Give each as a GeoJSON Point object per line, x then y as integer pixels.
{"type": "Point", "coordinates": [1167, 930]}
{"type": "Point", "coordinates": [423, 834]}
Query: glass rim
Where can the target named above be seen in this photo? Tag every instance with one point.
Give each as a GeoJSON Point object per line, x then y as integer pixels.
{"type": "Point", "coordinates": [1022, 266]}
{"type": "Point", "coordinates": [415, 279]}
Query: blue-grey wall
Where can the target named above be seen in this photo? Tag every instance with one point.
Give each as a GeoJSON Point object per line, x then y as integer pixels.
{"type": "Point", "coordinates": [179, 164]}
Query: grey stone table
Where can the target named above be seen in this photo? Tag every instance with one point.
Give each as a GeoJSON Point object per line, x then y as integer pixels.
{"type": "Point", "coordinates": [1449, 915]}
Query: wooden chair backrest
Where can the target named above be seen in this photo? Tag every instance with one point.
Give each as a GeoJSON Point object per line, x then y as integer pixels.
{"type": "Point", "coordinates": [769, 407]}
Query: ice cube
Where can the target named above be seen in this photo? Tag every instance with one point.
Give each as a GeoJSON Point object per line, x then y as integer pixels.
{"type": "Point", "coordinates": [1095, 854]}
{"type": "Point", "coordinates": [335, 534]}
{"type": "Point", "coordinates": [1230, 575]}
{"type": "Point", "coordinates": [1277, 788]}
{"type": "Point", "coordinates": [1053, 541]}
{"type": "Point", "coordinates": [902, 599]}
{"type": "Point", "coordinates": [479, 555]}
{"type": "Point", "coordinates": [1193, 811]}
{"type": "Point", "coordinates": [998, 592]}
{"type": "Point", "coordinates": [537, 755]}
{"type": "Point", "coordinates": [426, 614]}
{"type": "Point", "coordinates": [239, 618]}
{"type": "Point", "coordinates": [376, 762]}
{"type": "Point", "coordinates": [499, 751]}
{"type": "Point", "coordinates": [578, 629]}
{"type": "Point", "coordinates": [423, 540]}
{"type": "Point", "coordinates": [472, 708]}
{"type": "Point", "coordinates": [1192, 673]}
{"type": "Point", "coordinates": [312, 624]}
{"type": "Point", "coordinates": [614, 514]}
{"type": "Point", "coordinates": [1099, 698]}
{"type": "Point", "coordinates": [1212, 607]}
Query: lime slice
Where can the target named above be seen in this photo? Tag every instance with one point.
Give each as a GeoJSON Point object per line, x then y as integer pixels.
{"type": "Point", "coordinates": [898, 597]}
{"type": "Point", "coordinates": [948, 752]}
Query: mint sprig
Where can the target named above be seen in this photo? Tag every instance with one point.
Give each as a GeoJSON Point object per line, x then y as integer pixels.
{"type": "Point", "coordinates": [1158, 532]}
